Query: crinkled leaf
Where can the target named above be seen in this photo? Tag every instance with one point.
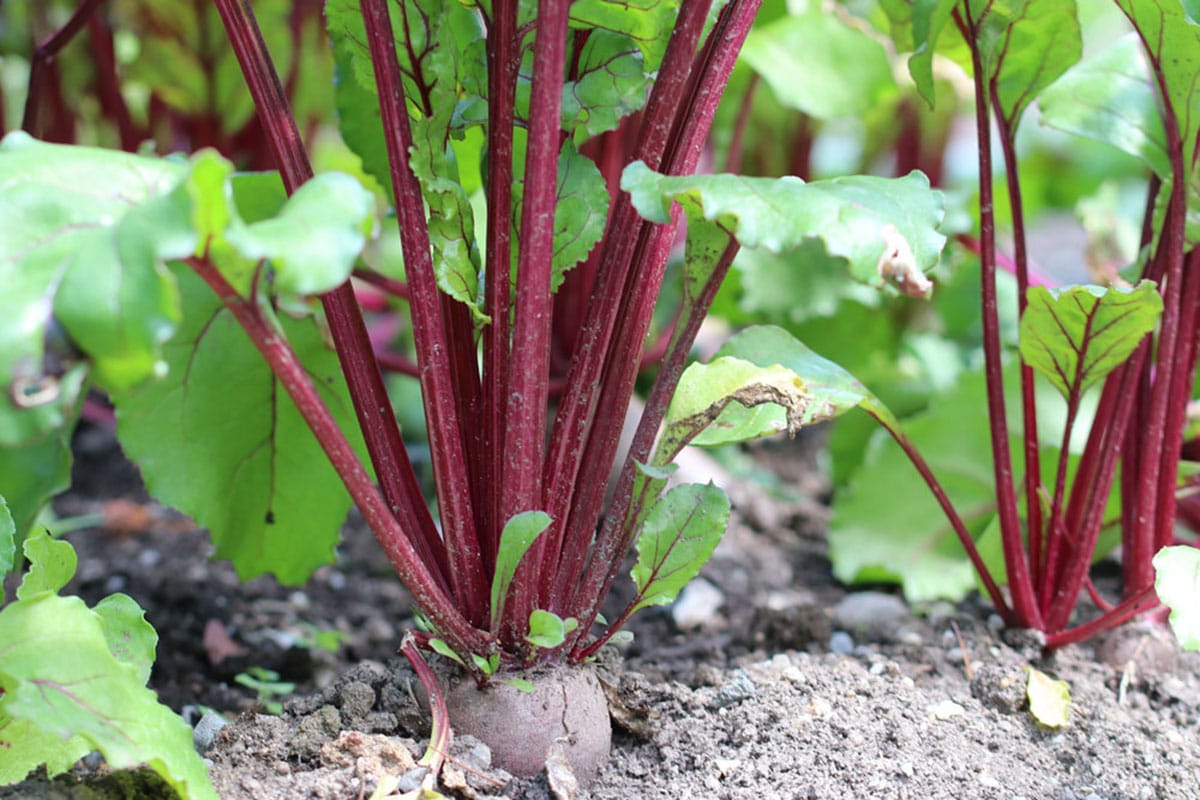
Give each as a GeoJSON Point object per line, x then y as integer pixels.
{"type": "Point", "coordinates": [1177, 581]}
{"type": "Point", "coordinates": [887, 527]}
{"type": "Point", "coordinates": [549, 630]}
{"type": "Point", "coordinates": [75, 243]}
{"type": "Point", "coordinates": [1111, 98]}
{"type": "Point", "coordinates": [885, 228]}
{"type": "Point", "coordinates": [581, 212]}
{"type": "Point", "coordinates": [8, 539]}
{"type": "Point", "coordinates": [219, 438]}
{"type": "Point", "coordinates": [611, 85]}
{"type": "Point", "coordinates": [1172, 39]}
{"type": "Point", "coordinates": [314, 240]}
{"type": "Point", "coordinates": [51, 564]}
{"type": "Point", "coordinates": [130, 638]}
{"type": "Point", "coordinates": [846, 72]}
{"type": "Point", "coordinates": [1049, 699]}
{"type": "Point", "coordinates": [1024, 46]}
{"type": "Point", "coordinates": [678, 535]}
{"type": "Point", "coordinates": [646, 22]}
{"type": "Point", "coordinates": [55, 709]}
{"type": "Point", "coordinates": [1077, 335]}
{"type": "Point", "coordinates": [515, 540]}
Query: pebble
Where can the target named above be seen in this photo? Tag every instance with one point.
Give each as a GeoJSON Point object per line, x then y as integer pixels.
{"type": "Point", "coordinates": [737, 688]}
{"type": "Point", "coordinates": [873, 613]}
{"type": "Point", "coordinates": [841, 643]}
{"type": "Point", "coordinates": [697, 604]}
{"type": "Point", "coordinates": [206, 730]}
{"type": "Point", "coordinates": [946, 709]}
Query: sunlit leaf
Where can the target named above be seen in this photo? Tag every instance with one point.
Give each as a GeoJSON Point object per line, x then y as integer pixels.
{"type": "Point", "coordinates": [219, 438]}
{"type": "Point", "coordinates": [886, 229]}
{"type": "Point", "coordinates": [51, 565]}
{"type": "Point", "coordinates": [1172, 40]}
{"type": "Point", "coordinates": [1177, 582]}
{"type": "Point", "coordinates": [1110, 98]}
{"type": "Point", "coordinates": [55, 709]}
{"type": "Point", "coordinates": [1077, 335]}
{"type": "Point", "coordinates": [887, 527]}
{"type": "Point", "coordinates": [1049, 699]}
{"type": "Point", "coordinates": [846, 72]}
{"type": "Point", "coordinates": [549, 630]}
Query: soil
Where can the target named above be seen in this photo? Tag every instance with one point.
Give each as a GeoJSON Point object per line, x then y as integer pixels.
{"type": "Point", "coordinates": [768, 680]}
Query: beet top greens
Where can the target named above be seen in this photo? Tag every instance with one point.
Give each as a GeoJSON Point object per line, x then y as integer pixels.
{"type": "Point", "coordinates": [538, 168]}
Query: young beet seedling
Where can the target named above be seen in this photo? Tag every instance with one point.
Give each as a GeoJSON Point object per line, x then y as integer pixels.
{"type": "Point", "coordinates": [202, 302]}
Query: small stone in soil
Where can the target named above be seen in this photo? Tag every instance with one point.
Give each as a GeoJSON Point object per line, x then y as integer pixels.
{"type": "Point", "coordinates": [841, 643]}
{"type": "Point", "coordinates": [873, 615]}
{"type": "Point", "coordinates": [737, 688]}
{"type": "Point", "coordinates": [697, 604]}
{"type": "Point", "coordinates": [206, 729]}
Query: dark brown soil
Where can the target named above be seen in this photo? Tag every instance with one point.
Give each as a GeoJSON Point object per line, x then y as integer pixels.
{"type": "Point", "coordinates": [779, 687]}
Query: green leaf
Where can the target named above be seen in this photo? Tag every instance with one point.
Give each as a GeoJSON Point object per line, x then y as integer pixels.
{"type": "Point", "coordinates": [54, 710]}
{"type": "Point", "coordinates": [1024, 46]}
{"type": "Point", "coordinates": [440, 647]}
{"type": "Point", "coordinates": [611, 85]}
{"type": "Point", "coordinates": [884, 228]}
{"type": "Point", "coordinates": [1173, 43]}
{"type": "Point", "coordinates": [1049, 699]}
{"type": "Point", "coordinates": [917, 26]}
{"type": "Point", "coordinates": [75, 245]}
{"type": "Point", "coordinates": [33, 472]}
{"type": "Point", "coordinates": [730, 400]}
{"type": "Point", "coordinates": [1177, 581]}
{"type": "Point", "coordinates": [549, 630]}
{"type": "Point", "coordinates": [679, 534]}
{"type": "Point", "coordinates": [130, 638]}
{"type": "Point", "coordinates": [515, 540]}
{"type": "Point", "coordinates": [8, 539]}
{"type": "Point", "coordinates": [846, 72]}
{"type": "Point", "coordinates": [51, 564]}
{"type": "Point", "coordinates": [1110, 98]}
{"type": "Point", "coordinates": [253, 474]}
{"type": "Point", "coordinates": [315, 239]}
{"type": "Point", "coordinates": [886, 526]}
{"type": "Point", "coordinates": [646, 22]}
{"type": "Point", "coordinates": [440, 47]}
{"type": "Point", "coordinates": [580, 213]}
{"type": "Point", "coordinates": [520, 684]}
{"type": "Point", "coordinates": [1077, 335]}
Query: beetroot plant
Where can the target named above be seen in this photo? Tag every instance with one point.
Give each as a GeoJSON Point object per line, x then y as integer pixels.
{"type": "Point", "coordinates": [1120, 357]}
{"type": "Point", "coordinates": [217, 312]}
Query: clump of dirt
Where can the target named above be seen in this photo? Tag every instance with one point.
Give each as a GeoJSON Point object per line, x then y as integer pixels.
{"type": "Point", "coordinates": [776, 682]}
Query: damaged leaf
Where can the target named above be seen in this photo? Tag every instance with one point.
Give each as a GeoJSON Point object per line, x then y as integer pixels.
{"type": "Point", "coordinates": [1049, 699]}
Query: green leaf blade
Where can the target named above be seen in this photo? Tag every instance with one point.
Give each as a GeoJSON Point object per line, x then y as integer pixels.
{"type": "Point", "coordinates": [58, 709]}
{"type": "Point", "coordinates": [253, 474]}
{"type": "Point", "coordinates": [1110, 98]}
{"type": "Point", "coordinates": [515, 540]}
{"type": "Point", "coordinates": [846, 72]}
{"type": "Point", "coordinates": [886, 229]}
{"type": "Point", "coordinates": [51, 565]}
{"type": "Point", "coordinates": [1077, 335]}
{"type": "Point", "coordinates": [678, 536]}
